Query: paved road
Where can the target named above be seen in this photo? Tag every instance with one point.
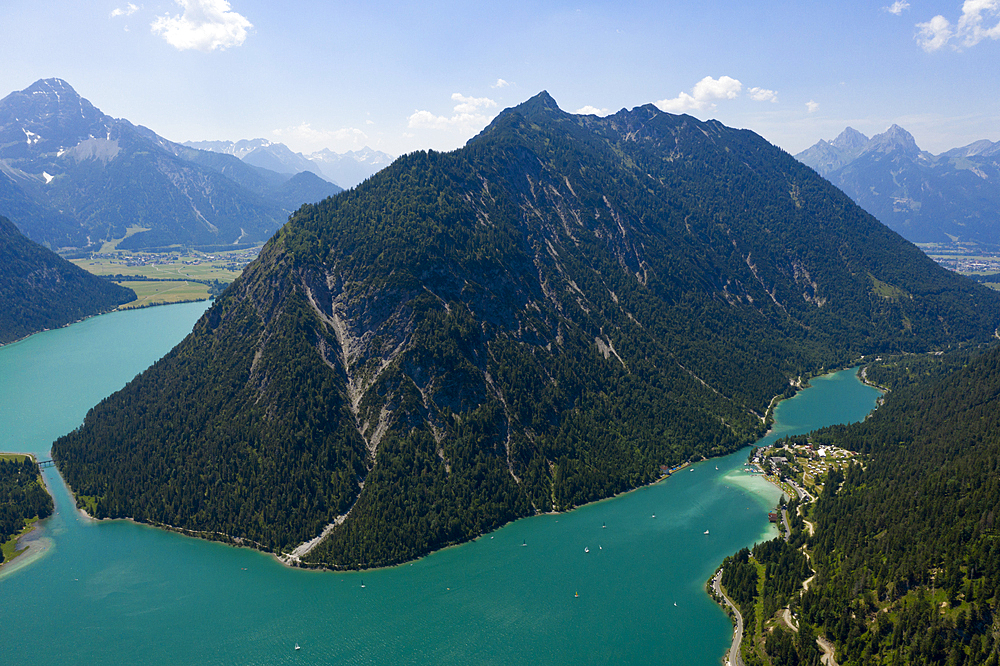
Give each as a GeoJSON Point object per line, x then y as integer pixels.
{"type": "Point", "coordinates": [734, 651]}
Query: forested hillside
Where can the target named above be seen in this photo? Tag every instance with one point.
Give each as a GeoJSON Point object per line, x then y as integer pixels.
{"type": "Point", "coordinates": [907, 549]}
{"type": "Point", "coordinates": [40, 290]}
{"type": "Point", "coordinates": [540, 319]}
{"type": "Point", "coordinates": [22, 496]}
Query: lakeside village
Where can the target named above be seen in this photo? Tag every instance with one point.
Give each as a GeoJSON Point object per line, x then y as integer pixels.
{"type": "Point", "coordinates": [798, 466]}
{"type": "Point", "coordinates": [234, 260]}
{"type": "Point", "coordinates": [761, 587]}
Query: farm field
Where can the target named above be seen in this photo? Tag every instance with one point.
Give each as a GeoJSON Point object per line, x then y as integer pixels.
{"type": "Point", "coordinates": [173, 277]}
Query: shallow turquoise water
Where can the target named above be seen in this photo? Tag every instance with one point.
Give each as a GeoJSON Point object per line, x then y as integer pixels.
{"type": "Point", "coordinates": [118, 592]}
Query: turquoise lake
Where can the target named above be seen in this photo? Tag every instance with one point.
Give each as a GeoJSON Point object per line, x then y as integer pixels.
{"type": "Point", "coordinates": [116, 592]}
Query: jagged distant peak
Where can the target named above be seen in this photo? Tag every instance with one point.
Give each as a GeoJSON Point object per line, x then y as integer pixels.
{"type": "Point", "coordinates": [983, 148]}
{"type": "Point", "coordinates": [254, 144]}
{"type": "Point", "coordinates": [366, 154]}
{"type": "Point", "coordinates": [49, 93]}
{"type": "Point", "coordinates": [850, 139]}
{"type": "Point", "coordinates": [53, 85]}
{"type": "Point", "coordinates": [239, 149]}
{"type": "Point", "coordinates": [893, 139]}
{"type": "Point", "coordinates": [47, 116]}
{"type": "Point", "coordinates": [897, 131]}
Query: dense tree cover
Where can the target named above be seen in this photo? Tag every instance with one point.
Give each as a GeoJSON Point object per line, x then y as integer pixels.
{"type": "Point", "coordinates": [895, 372]}
{"type": "Point", "coordinates": [41, 290]}
{"type": "Point", "coordinates": [22, 496]}
{"type": "Point", "coordinates": [538, 320]}
{"type": "Point", "coordinates": [906, 549]}
{"type": "Point", "coordinates": [762, 581]}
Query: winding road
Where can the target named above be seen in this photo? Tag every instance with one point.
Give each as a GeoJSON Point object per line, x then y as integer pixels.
{"type": "Point", "coordinates": [734, 650]}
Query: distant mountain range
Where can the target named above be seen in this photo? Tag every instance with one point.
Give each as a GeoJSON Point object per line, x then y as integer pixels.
{"type": "Point", "coordinates": [40, 290]}
{"type": "Point", "coordinates": [953, 197]}
{"type": "Point", "coordinates": [72, 176]}
{"type": "Point", "coordinates": [540, 319]}
{"type": "Point", "coordinates": [345, 169]}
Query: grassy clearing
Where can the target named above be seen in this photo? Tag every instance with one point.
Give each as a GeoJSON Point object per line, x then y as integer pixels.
{"type": "Point", "coordinates": [887, 291]}
{"type": "Point", "coordinates": [112, 245]}
{"type": "Point", "coordinates": [152, 293]}
{"type": "Point", "coordinates": [16, 457]}
{"type": "Point", "coordinates": [89, 503]}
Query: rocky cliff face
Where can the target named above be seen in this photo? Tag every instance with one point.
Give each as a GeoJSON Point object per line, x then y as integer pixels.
{"type": "Point", "coordinates": [538, 320]}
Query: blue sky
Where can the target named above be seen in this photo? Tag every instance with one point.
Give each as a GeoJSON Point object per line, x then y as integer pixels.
{"type": "Point", "coordinates": [405, 76]}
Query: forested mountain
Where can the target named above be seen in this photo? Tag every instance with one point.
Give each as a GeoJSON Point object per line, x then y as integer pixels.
{"type": "Point", "coordinates": [41, 290]}
{"type": "Point", "coordinates": [535, 321]}
{"type": "Point", "coordinates": [951, 197]}
{"type": "Point", "coordinates": [906, 550]}
{"type": "Point", "coordinates": [72, 176]}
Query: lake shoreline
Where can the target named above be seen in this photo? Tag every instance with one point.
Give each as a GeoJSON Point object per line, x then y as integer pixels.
{"type": "Point", "coordinates": [33, 546]}
{"type": "Point", "coordinates": [713, 585]}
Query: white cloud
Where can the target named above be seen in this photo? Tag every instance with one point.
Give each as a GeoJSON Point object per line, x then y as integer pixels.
{"type": "Point", "coordinates": [762, 95]}
{"type": "Point", "coordinates": [934, 34]}
{"type": "Point", "coordinates": [471, 104]}
{"type": "Point", "coordinates": [812, 106]}
{"type": "Point", "coordinates": [592, 111]}
{"type": "Point", "coordinates": [205, 25]}
{"type": "Point", "coordinates": [974, 13]}
{"type": "Point", "coordinates": [128, 11]}
{"type": "Point", "coordinates": [897, 7]}
{"type": "Point", "coordinates": [500, 84]}
{"type": "Point", "coordinates": [702, 94]}
{"type": "Point", "coordinates": [305, 137]}
{"type": "Point", "coordinates": [980, 20]}
{"type": "Point", "coordinates": [468, 115]}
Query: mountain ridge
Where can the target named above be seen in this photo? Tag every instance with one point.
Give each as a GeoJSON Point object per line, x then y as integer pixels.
{"type": "Point", "coordinates": [537, 320]}
{"type": "Point", "coordinates": [946, 198]}
{"type": "Point", "coordinates": [344, 169]}
{"type": "Point", "coordinates": [76, 177]}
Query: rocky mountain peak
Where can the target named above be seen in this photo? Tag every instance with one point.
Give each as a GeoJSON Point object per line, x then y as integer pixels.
{"type": "Point", "coordinates": [850, 140]}
{"type": "Point", "coordinates": [47, 116]}
{"type": "Point", "coordinates": [893, 139]}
